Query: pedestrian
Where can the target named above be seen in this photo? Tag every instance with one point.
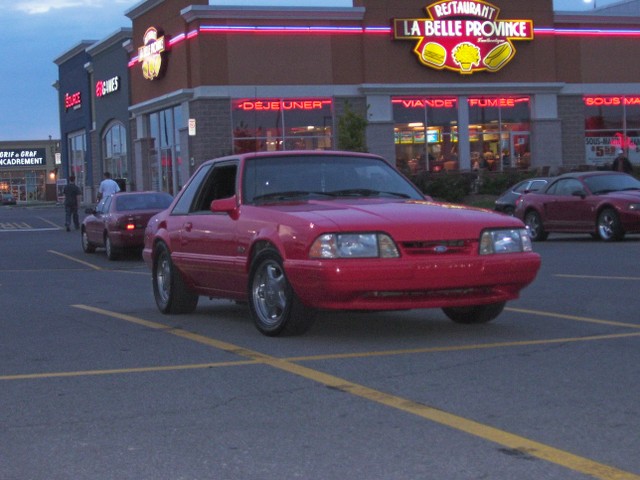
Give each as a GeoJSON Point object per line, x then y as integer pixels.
{"type": "Point", "coordinates": [622, 163]}
{"type": "Point", "coordinates": [72, 194]}
{"type": "Point", "coordinates": [107, 187]}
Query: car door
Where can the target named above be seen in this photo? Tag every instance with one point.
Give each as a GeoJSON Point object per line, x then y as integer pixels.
{"type": "Point", "coordinates": [206, 245]}
{"type": "Point", "coordinates": [96, 223]}
{"type": "Point", "coordinates": [565, 208]}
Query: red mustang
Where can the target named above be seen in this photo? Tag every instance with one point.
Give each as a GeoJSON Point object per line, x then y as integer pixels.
{"type": "Point", "coordinates": [604, 204]}
{"type": "Point", "coordinates": [293, 232]}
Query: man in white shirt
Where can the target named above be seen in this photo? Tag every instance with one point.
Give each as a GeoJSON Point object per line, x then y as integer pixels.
{"type": "Point", "coordinates": [108, 186]}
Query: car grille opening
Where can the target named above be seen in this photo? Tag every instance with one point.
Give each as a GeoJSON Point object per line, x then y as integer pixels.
{"type": "Point", "coordinates": [439, 247]}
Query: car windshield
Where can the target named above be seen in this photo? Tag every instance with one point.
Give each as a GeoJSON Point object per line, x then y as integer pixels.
{"type": "Point", "coordinates": [599, 184]}
{"type": "Point", "coordinates": [142, 201]}
{"type": "Point", "coordinates": [287, 178]}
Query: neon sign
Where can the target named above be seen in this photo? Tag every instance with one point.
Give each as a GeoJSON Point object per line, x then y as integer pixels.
{"type": "Point", "coordinates": [150, 54]}
{"type": "Point", "coordinates": [105, 87]}
{"type": "Point", "coordinates": [485, 102]}
{"type": "Point", "coordinates": [610, 101]}
{"type": "Point", "coordinates": [277, 105]}
{"type": "Point", "coordinates": [463, 36]}
{"type": "Point", "coordinates": [73, 100]}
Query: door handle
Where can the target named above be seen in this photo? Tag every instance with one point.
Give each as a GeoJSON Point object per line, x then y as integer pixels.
{"type": "Point", "coordinates": [188, 226]}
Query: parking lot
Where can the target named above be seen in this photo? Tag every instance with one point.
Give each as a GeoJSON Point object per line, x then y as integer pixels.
{"type": "Point", "coordinates": [97, 384]}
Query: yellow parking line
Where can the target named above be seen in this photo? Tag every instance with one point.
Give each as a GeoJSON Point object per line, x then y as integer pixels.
{"type": "Point", "coordinates": [598, 277]}
{"type": "Point", "coordinates": [501, 437]}
{"type": "Point", "coordinates": [68, 257]}
{"type": "Point", "coordinates": [116, 371]}
{"type": "Point", "coordinates": [573, 317]}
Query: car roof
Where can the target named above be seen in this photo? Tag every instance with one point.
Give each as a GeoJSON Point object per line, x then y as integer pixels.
{"type": "Point", "coordinates": [587, 174]}
{"type": "Point", "coordinates": [293, 153]}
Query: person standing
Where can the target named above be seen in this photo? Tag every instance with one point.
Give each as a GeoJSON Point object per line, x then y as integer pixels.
{"type": "Point", "coordinates": [107, 187]}
{"type": "Point", "coordinates": [622, 163]}
{"type": "Point", "coordinates": [72, 194]}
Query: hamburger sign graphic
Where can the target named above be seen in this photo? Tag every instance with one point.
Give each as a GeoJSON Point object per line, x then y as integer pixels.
{"type": "Point", "coordinates": [463, 36]}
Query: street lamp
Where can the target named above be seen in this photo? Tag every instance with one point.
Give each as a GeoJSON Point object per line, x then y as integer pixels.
{"type": "Point", "coordinates": [589, 1]}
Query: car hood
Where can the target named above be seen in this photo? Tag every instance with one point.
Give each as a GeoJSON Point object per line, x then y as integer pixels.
{"type": "Point", "coordinates": [401, 219]}
{"type": "Point", "coordinates": [630, 195]}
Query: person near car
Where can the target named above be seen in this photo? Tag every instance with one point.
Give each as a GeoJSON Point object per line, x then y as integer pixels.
{"type": "Point", "coordinates": [622, 163]}
{"type": "Point", "coordinates": [107, 187]}
{"type": "Point", "coordinates": [72, 194]}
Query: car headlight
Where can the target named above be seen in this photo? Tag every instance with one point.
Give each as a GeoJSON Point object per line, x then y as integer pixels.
{"type": "Point", "coordinates": [635, 207]}
{"type": "Point", "coordinates": [505, 241]}
{"type": "Point", "coordinates": [353, 245]}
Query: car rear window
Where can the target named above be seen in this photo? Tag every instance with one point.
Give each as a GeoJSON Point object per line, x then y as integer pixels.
{"type": "Point", "coordinates": [155, 201]}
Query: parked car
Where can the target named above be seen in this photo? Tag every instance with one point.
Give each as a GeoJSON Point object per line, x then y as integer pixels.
{"type": "Point", "coordinates": [293, 232]}
{"type": "Point", "coordinates": [506, 203]}
{"type": "Point", "coordinates": [118, 221]}
{"type": "Point", "coordinates": [7, 199]}
{"type": "Point", "coordinates": [603, 204]}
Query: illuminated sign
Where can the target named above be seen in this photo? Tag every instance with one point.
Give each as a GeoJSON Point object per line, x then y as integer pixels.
{"type": "Point", "coordinates": [610, 101]}
{"type": "Point", "coordinates": [150, 54]}
{"type": "Point", "coordinates": [277, 105]}
{"type": "Point", "coordinates": [463, 36]}
{"type": "Point", "coordinates": [105, 87]}
{"type": "Point", "coordinates": [484, 102]}
{"type": "Point", "coordinates": [14, 157]}
{"type": "Point", "coordinates": [72, 100]}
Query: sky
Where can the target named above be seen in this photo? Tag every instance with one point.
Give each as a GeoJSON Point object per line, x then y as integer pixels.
{"type": "Point", "coordinates": [36, 32]}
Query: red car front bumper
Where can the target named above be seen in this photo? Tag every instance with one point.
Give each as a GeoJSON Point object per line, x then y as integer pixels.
{"type": "Point", "coordinates": [407, 283]}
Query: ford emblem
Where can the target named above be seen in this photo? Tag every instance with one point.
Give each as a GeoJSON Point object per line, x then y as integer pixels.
{"type": "Point", "coordinates": [440, 249]}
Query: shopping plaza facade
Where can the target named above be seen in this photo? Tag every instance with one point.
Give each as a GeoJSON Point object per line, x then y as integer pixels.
{"type": "Point", "coordinates": [443, 85]}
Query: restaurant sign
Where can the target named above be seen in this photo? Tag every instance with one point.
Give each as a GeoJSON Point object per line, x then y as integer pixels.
{"type": "Point", "coordinates": [463, 36]}
{"type": "Point", "coordinates": [151, 54]}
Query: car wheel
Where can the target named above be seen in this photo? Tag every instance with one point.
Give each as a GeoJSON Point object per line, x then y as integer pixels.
{"type": "Point", "coordinates": [111, 251]}
{"type": "Point", "coordinates": [170, 291]}
{"type": "Point", "coordinates": [534, 223]}
{"type": "Point", "coordinates": [609, 228]}
{"type": "Point", "coordinates": [275, 307]}
{"type": "Point", "coordinates": [87, 246]}
{"type": "Point", "coordinates": [475, 314]}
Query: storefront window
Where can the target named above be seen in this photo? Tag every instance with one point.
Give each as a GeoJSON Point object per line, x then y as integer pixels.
{"type": "Point", "coordinates": [167, 170]}
{"type": "Point", "coordinates": [282, 124]}
{"type": "Point", "coordinates": [424, 133]}
{"type": "Point", "coordinates": [114, 148]}
{"type": "Point", "coordinates": [77, 156]}
{"type": "Point", "coordinates": [499, 132]}
{"type": "Point", "coordinates": [611, 123]}
{"type": "Point", "coordinates": [25, 186]}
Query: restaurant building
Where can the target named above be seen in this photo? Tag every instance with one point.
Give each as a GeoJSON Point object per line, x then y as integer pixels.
{"type": "Point", "coordinates": [446, 84]}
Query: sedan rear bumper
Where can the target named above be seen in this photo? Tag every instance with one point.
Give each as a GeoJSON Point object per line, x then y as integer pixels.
{"type": "Point", "coordinates": [394, 284]}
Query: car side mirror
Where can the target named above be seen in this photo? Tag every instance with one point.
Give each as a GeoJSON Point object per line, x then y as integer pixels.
{"type": "Point", "coordinates": [227, 205]}
{"type": "Point", "coordinates": [579, 193]}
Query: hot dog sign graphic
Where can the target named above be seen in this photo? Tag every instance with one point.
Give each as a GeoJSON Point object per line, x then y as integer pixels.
{"type": "Point", "coordinates": [463, 36]}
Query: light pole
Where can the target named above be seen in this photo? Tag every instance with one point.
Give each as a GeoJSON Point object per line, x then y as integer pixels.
{"type": "Point", "coordinates": [589, 1]}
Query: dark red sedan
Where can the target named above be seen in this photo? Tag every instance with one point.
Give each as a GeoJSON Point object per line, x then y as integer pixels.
{"type": "Point", "coordinates": [118, 221]}
{"type": "Point", "coordinates": [294, 232]}
{"type": "Point", "coordinates": [603, 204]}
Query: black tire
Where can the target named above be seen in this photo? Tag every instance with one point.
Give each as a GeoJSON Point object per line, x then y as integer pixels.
{"type": "Point", "coordinates": [609, 228]}
{"type": "Point", "coordinates": [112, 252]}
{"type": "Point", "coordinates": [475, 314]}
{"type": "Point", "coordinates": [534, 223]}
{"type": "Point", "coordinates": [275, 308]}
{"type": "Point", "coordinates": [170, 291]}
{"type": "Point", "coordinates": [87, 246]}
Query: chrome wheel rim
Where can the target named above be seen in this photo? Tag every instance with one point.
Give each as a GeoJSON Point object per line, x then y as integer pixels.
{"type": "Point", "coordinates": [270, 293]}
{"type": "Point", "coordinates": [163, 278]}
{"type": "Point", "coordinates": [606, 226]}
{"type": "Point", "coordinates": [533, 225]}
